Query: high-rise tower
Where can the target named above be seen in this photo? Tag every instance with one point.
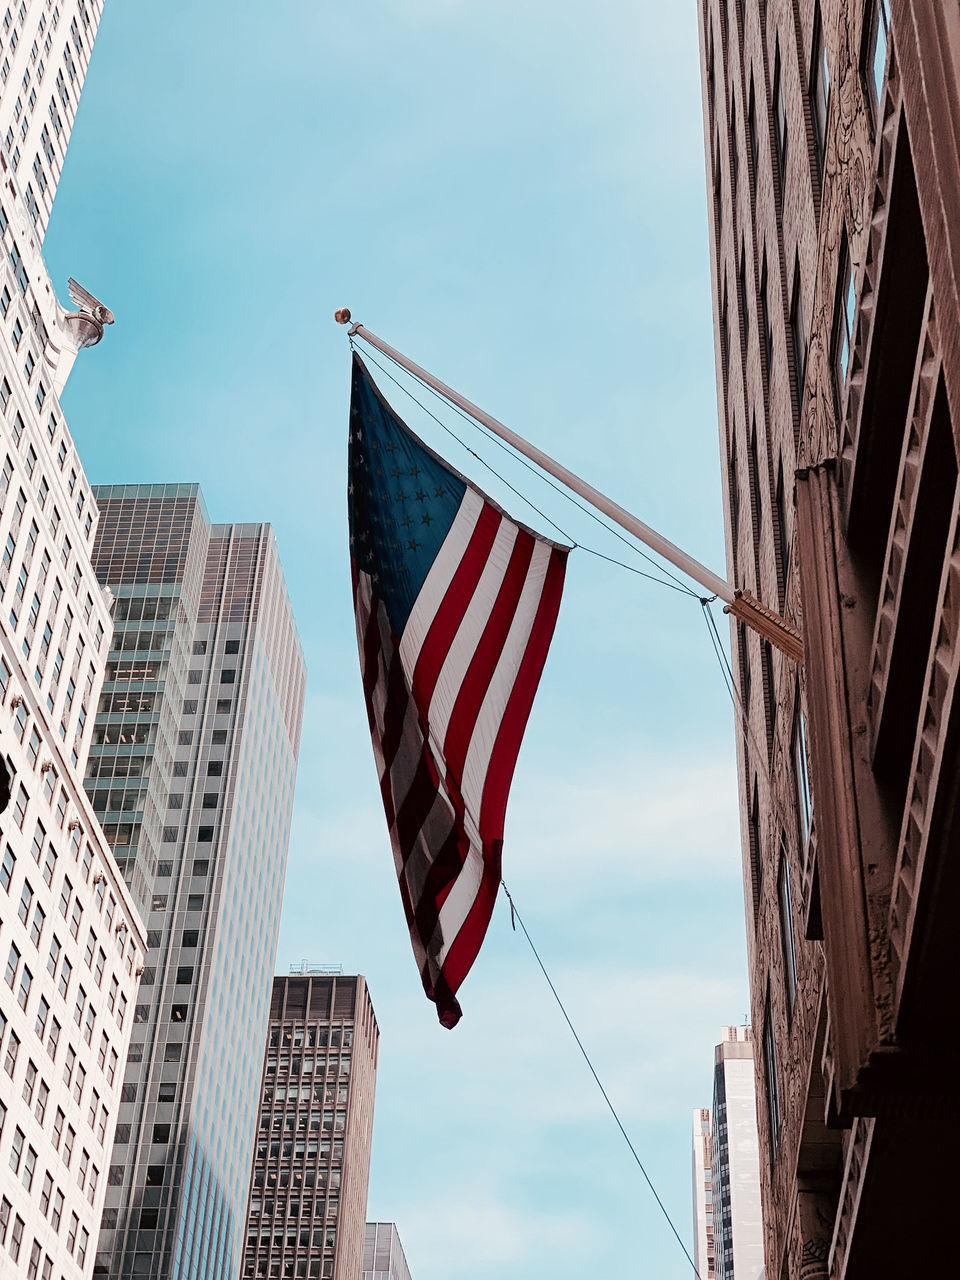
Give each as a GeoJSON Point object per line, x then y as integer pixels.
{"type": "Point", "coordinates": [192, 774]}
{"type": "Point", "coordinates": [71, 940]}
{"type": "Point", "coordinates": [383, 1256]}
{"type": "Point", "coordinates": [832, 131]}
{"type": "Point", "coordinates": [308, 1186]}
{"type": "Point", "coordinates": [44, 54]}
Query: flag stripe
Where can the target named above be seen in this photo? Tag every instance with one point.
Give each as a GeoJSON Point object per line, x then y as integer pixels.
{"type": "Point", "coordinates": [504, 678]}
{"type": "Point", "coordinates": [463, 645]}
{"type": "Point", "coordinates": [456, 600]}
{"type": "Point", "coordinates": [439, 578]}
{"type": "Point", "coordinates": [507, 747]}
{"type": "Point", "coordinates": [485, 657]}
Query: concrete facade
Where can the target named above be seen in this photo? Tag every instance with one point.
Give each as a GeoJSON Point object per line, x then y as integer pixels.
{"type": "Point", "coordinates": [383, 1256]}
{"type": "Point", "coordinates": [192, 773]}
{"type": "Point", "coordinates": [71, 939]}
{"type": "Point", "coordinates": [831, 134]}
{"type": "Point", "coordinates": [308, 1183]}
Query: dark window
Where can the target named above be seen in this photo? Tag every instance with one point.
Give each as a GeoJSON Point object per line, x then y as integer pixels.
{"type": "Point", "coordinates": [205, 835]}
{"type": "Point", "coordinates": [877, 38]}
{"type": "Point", "coordinates": [798, 334]}
{"type": "Point", "coordinates": [210, 799]}
{"type": "Point", "coordinates": [772, 1078]}
{"type": "Point", "coordinates": [214, 768]}
{"type": "Point", "coordinates": [178, 1013]}
{"type": "Point", "coordinates": [191, 937]}
{"type": "Point", "coordinates": [232, 646]}
{"type": "Point", "coordinates": [223, 706]}
{"type": "Point", "coordinates": [819, 89]}
{"type": "Point", "coordinates": [201, 867]}
{"type": "Point", "coordinates": [801, 775]}
{"type": "Point", "coordinates": [218, 737]}
{"type": "Point", "coordinates": [744, 306]}
{"type": "Point", "coordinates": [766, 332]}
{"type": "Point", "coordinates": [779, 120]}
{"type": "Point", "coordinates": [783, 542]}
{"type": "Point", "coordinates": [845, 308]}
{"type": "Point", "coordinates": [167, 1093]}
{"type": "Point", "coordinates": [161, 1133]}
{"type": "Point", "coordinates": [184, 974]}
{"type": "Point", "coordinates": [228, 675]}
{"type": "Point", "coordinates": [154, 1175]}
{"type": "Point", "coordinates": [785, 900]}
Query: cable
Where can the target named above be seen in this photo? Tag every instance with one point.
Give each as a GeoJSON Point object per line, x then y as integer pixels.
{"type": "Point", "coordinates": [678, 584]}
{"type": "Point", "coordinates": [516, 919]}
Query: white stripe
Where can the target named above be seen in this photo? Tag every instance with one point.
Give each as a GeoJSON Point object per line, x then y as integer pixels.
{"type": "Point", "coordinates": [464, 646]}
{"type": "Point", "coordinates": [438, 579]}
{"type": "Point", "coordinates": [501, 685]}
{"type": "Point", "coordinates": [460, 899]}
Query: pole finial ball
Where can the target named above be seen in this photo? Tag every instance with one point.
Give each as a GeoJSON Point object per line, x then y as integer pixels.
{"type": "Point", "coordinates": [342, 315]}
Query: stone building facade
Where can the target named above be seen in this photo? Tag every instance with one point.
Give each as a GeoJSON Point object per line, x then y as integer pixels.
{"type": "Point", "coordinates": [832, 133]}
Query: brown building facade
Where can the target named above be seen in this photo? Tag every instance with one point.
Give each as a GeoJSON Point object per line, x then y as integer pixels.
{"type": "Point", "coordinates": [832, 134]}
{"type": "Point", "coordinates": [308, 1191]}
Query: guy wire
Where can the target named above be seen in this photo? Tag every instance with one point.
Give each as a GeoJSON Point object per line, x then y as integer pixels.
{"type": "Point", "coordinates": [678, 583]}
{"type": "Point", "coordinates": [674, 585]}
{"type": "Point", "coordinates": [516, 917]}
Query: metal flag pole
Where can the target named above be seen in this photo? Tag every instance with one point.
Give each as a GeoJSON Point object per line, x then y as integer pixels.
{"type": "Point", "coordinates": [768, 624]}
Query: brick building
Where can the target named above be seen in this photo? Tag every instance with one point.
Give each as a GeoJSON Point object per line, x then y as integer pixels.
{"type": "Point", "coordinates": [832, 135]}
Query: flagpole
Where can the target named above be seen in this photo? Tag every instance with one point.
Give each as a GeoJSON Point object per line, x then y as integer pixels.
{"type": "Point", "coordinates": [740, 603]}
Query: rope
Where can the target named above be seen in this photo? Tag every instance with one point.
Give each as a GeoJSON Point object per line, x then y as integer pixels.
{"type": "Point", "coordinates": [675, 583]}
{"type": "Point", "coordinates": [515, 919]}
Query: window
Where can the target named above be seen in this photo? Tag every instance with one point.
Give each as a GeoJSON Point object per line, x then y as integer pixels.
{"type": "Point", "coordinates": [844, 312]}
{"type": "Point", "coordinates": [13, 963]}
{"type": "Point", "coordinates": [819, 90]}
{"type": "Point", "coordinates": [788, 943]}
{"type": "Point", "coordinates": [801, 776]}
{"type": "Point", "coordinates": [798, 334]}
{"type": "Point", "coordinates": [779, 120]}
{"type": "Point", "coordinates": [772, 1078]}
{"type": "Point", "coordinates": [780, 510]}
{"type": "Point", "coordinates": [232, 646]}
{"type": "Point", "coordinates": [766, 332]}
{"type": "Point", "coordinates": [877, 29]}
{"type": "Point", "coordinates": [6, 869]}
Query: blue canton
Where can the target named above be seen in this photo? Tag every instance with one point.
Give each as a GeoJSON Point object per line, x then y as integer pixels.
{"type": "Point", "coordinates": [401, 500]}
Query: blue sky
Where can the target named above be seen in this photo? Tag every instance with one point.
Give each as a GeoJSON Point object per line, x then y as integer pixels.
{"type": "Point", "coordinates": [513, 194]}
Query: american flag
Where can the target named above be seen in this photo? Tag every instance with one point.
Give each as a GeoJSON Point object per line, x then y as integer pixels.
{"type": "Point", "coordinates": [456, 605]}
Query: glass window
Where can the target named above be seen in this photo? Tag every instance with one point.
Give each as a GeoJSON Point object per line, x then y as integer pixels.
{"type": "Point", "coordinates": [844, 314]}
{"type": "Point", "coordinates": [788, 942]}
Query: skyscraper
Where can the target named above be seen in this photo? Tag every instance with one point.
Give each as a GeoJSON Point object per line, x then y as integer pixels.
{"type": "Point", "coordinates": [44, 54]}
{"type": "Point", "coordinates": [832, 131]}
{"type": "Point", "coordinates": [308, 1185]}
{"type": "Point", "coordinates": [703, 1237]}
{"type": "Point", "coordinates": [726, 1162]}
{"type": "Point", "coordinates": [192, 774]}
{"type": "Point", "coordinates": [383, 1256]}
{"type": "Point", "coordinates": [71, 940]}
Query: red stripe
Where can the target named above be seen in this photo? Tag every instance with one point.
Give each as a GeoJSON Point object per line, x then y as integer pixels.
{"type": "Point", "coordinates": [463, 950]}
{"type": "Point", "coordinates": [506, 748]}
{"type": "Point", "coordinates": [473, 690]}
{"type": "Point", "coordinates": [456, 600]}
